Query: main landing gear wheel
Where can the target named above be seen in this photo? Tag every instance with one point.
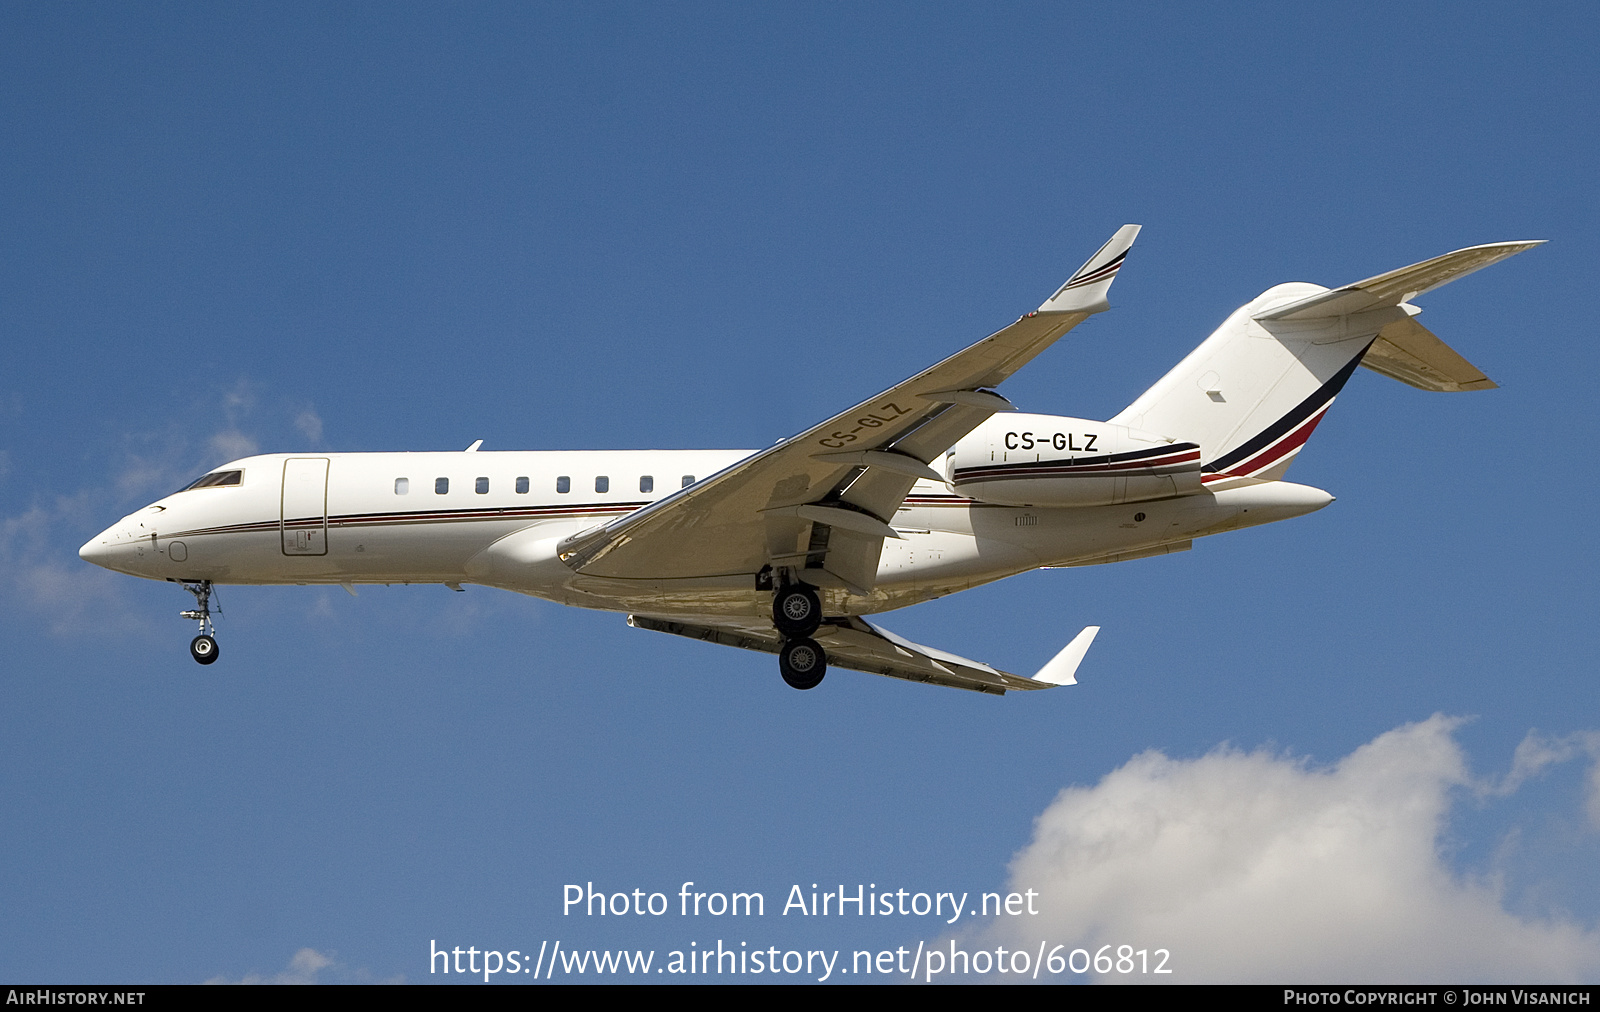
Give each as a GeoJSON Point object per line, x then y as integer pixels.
{"type": "Point", "coordinates": [203, 649]}
{"type": "Point", "coordinates": [796, 611]}
{"type": "Point", "coordinates": [803, 663]}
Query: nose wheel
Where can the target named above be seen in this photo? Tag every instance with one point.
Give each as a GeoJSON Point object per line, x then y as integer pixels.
{"type": "Point", "coordinates": [203, 648]}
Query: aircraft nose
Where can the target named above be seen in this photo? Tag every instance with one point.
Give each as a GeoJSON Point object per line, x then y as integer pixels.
{"type": "Point", "coordinates": [116, 548]}
{"type": "Point", "coordinates": [97, 549]}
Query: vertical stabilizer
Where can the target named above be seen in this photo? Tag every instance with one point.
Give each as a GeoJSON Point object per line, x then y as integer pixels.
{"type": "Point", "coordinates": [1254, 391]}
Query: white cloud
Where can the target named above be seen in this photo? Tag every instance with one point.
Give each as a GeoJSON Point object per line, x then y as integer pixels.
{"type": "Point", "coordinates": [307, 967]}
{"type": "Point", "coordinates": [302, 969]}
{"type": "Point", "coordinates": [1260, 867]}
{"type": "Point", "coordinates": [1537, 753]}
{"type": "Point", "coordinates": [309, 423]}
{"type": "Point", "coordinates": [231, 444]}
{"type": "Point", "coordinates": [37, 574]}
{"type": "Point", "coordinates": [153, 464]}
{"type": "Point", "coordinates": [239, 401]}
{"type": "Point", "coordinates": [1593, 806]}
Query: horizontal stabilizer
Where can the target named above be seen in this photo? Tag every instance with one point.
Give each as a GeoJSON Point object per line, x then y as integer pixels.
{"type": "Point", "coordinates": [1397, 286]}
{"type": "Point", "coordinates": [1409, 352]}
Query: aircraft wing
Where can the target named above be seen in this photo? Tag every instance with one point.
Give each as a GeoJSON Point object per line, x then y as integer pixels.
{"type": "Point", "coordinates": [824, 498]}
{"type": "Point", "coordinates": [858, 644]}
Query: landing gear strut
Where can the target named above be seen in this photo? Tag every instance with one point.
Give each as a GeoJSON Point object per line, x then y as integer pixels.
{"type": "Point", "coordinates": [203, 648]}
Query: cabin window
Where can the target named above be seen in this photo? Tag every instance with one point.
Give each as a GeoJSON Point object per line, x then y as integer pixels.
{"type": "Point", "coordinates": [482, 486]}
{"type": "Point", "coordinates": [602, 484]}
{"type": "Point", "coordinates": [563, 484]}
{"type": "Point", "coordinates": [522, 486]}
{"type": "Point", "coordinates": [441, 486]}
{"type": "Point", "coordinates": [647, 483]}
{"type": "Point", "coordinates": [402, 486]}
{"type": "Point", "coordinates": [688, 480]}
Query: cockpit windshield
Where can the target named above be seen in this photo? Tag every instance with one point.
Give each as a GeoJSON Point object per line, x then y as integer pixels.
{"type": "Point", "coordinates": [215, 479]}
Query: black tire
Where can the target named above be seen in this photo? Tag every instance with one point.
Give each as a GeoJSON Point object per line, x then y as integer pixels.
{"type": "Point", "coordinates": [796, 611]}
{"type": "Point", "coordinates": [803, 663]}
{"type": "Point", "coordinates": [204, 649]}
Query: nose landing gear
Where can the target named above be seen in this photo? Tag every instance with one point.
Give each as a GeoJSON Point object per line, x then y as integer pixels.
{"type": "Point", "coordinates": [203, 648]}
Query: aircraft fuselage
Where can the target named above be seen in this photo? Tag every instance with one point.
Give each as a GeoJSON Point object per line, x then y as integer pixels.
{"type": "Point", "coordinates": [482, 517]}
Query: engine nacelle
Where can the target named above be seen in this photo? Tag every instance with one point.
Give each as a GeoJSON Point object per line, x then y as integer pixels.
{"type": "Point", "coordinates": [1015, 459]}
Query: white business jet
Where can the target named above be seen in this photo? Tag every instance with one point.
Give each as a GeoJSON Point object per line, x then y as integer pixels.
{"type": "Point", "coordinates": [936, 485]}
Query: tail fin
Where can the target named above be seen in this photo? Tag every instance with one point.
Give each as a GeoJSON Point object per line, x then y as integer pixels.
{"type": "Point", "coordinates": [1254, 391]}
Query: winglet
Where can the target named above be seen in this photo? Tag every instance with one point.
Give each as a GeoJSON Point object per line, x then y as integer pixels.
{"type": "Point", "coordinates": [1063, 667]}
{"type": "Point", "coordinates": [1085, 291]}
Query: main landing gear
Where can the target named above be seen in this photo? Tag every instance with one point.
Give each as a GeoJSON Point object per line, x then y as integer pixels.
{"type": "Point", "coordinates": [803, 663]}
{"type": "Point", "coordinates": [203, 648]}
{"type": "Point", "coordinates": [797, 614]}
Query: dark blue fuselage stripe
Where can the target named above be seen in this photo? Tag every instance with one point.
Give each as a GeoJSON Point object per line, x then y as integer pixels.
{"type": "Point", "coordinates": [1290, 421]}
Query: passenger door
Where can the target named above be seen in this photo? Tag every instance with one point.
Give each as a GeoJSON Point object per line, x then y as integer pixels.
{"type": "Point", "coordinates": [304, 518]}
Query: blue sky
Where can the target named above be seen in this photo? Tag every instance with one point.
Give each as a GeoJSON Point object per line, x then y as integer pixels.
{"type": "Point", "coordinates": [374, 227]}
